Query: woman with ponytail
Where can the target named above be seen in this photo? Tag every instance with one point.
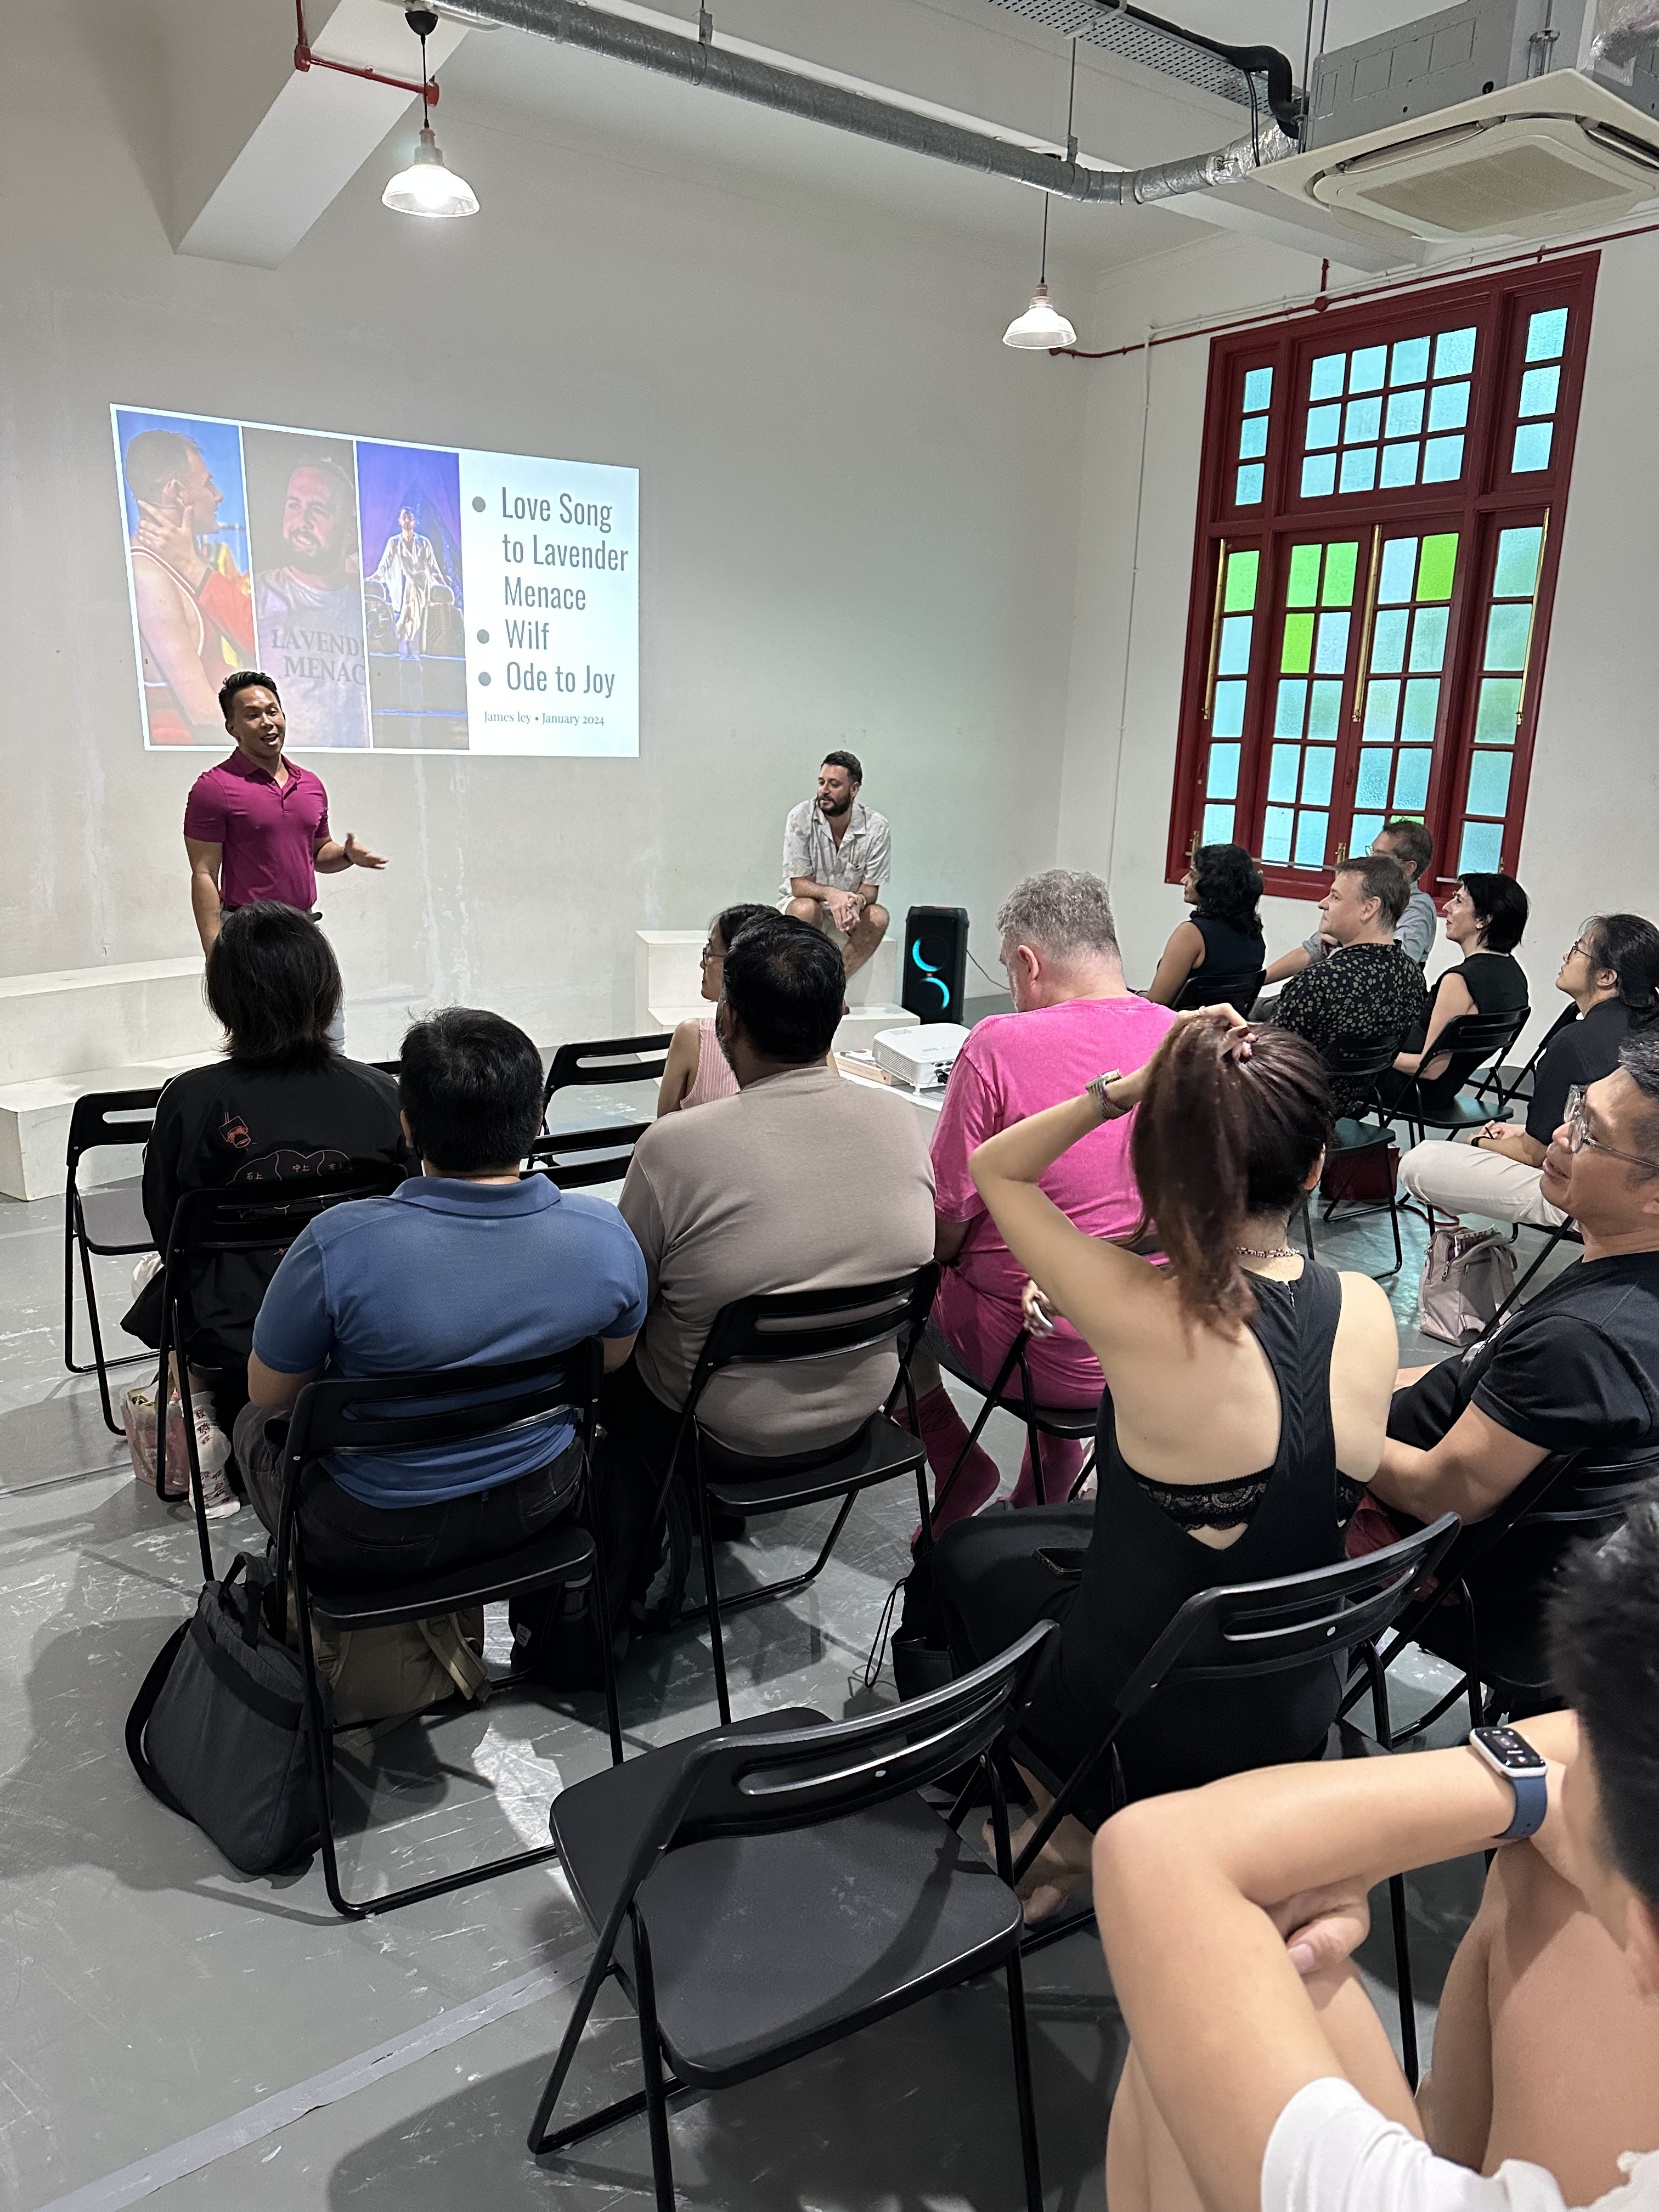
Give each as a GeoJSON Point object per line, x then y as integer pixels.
{"type": "Point", "coordinates": [1247, 1393]}
{"type": "Point", "coordinates": [1611, 974]}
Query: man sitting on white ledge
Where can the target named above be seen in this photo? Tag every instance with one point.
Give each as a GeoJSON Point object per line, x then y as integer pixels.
{"type": "Point", "coordinates": [836, 858]}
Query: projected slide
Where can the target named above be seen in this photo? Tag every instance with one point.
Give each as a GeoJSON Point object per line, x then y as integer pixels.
{"type": "Point", "coordinates": [402, 598]}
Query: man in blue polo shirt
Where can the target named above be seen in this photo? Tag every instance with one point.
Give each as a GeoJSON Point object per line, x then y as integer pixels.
{"type": "Point", "coordinates": [463, 1263]}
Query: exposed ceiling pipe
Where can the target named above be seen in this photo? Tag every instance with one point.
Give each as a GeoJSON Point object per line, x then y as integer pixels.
{"type": "Point", "coordinates": [698, 61]}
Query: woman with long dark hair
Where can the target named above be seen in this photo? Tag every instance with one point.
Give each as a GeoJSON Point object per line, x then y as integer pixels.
{"type": "Point", "coordinates": [1220, 953]}
{"type": "Point", "coordinates": [1247, 1394]}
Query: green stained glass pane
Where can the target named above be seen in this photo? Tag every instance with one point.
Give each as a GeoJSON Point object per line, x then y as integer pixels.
{"type": "Point", "coordinates": [1359, 468]}
{"type": "Point", "coordinates": [1482, 848]}
{"type": "Point", "coordinates": [1364, 422]}
{"type": "Point", "coordinates": [1341, 562]}
{"type": "Point", "coordinates": [1372, 787]}
{"type": "Point", "coordinates": [1448, 406]}
{"type": "Point", "coordinates": [1284, 769]}
{"type": "Point", "coordinates": [1318, 476]}
{"type": "Point", "coordinates": [1368, 368]}
{"type": "Point", "coordinates": [1500, 704]}
{"type": "Point", "coordinates": [1222, 781]}
{"type": "Point", "coordinates": [1532, 441]}
{"type": "Point", "coordinates": [1276, 834]}
{"type": "Point", "coordinates": [1399, 465]}
{"type": "Point", "coordinates": [1248, 492]}
{"type": "Point", "coordinates": [1507, 628]}
{"type": "Point", "coordinates": [1405, 416]}
{"type": "Point", "coordinates": [1516, 573]}
{"type": "Point", "coordinates": [1325, 381]}
{"type": "Point", "coordinates": [1258, 390]}
{"type": "Point", "coordinates": [1443, 460]}
{"type": "Point", "coordinates": [1363, 832]}
{"type": "Point", "coordinates": [1234, 657]}
{"type": "Point", "coordinates": [1547, 335]}
{"type": "Point", "coordinates": [1429, 638]}
{"type": "Point", "coordinates": [1318, 767]}
{"type": "Point", "coordinates": [1382, 712]}
{"type": "Point", "coordinates": [1227, 716]}
{"type": "Point", "coordinates": [1489, 783]}
{"type": "Point", "coordinates": [1324, 428]}
{"type": "Point", "coordinates": [1399, 571]}
{"type": "Point", "coordinates": [1303, 588]}
{"type": "Point", "coordinates": [1324, 711]}
{"type": "Point", "coordinates": [1539, 390]}
{"type": "Point", "coordinates": [1310, 833]}
{"type": "Point", "coordinates": [1411, 361]}
{"type": "Point", "coordinates": [1435, 566]}
{"type": "Point", "coordinates": [1388, 641]}
{"type": "Point", "coordinates": [1454, 352]}
{"type": "Point", "coordinates": [1331, 645]}
{"type": "Point", "coordinates": [1411, 778]}
{"type": "Point", "coordinates": [1416, 723]}
{"type": "Point", "coordinates": [1217, 826]}
{"type": "Point", "coordinates": [1296, 654]}
{"type": "Point", "coordinates": [1253, 437]}
{"type": "Point", "coordinates": [1243, 569]}
{"type": "Point", "coordinates": [1290, 708]}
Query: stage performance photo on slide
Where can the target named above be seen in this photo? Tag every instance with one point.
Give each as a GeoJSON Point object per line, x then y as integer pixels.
{"type": "Point", "coordinates": [403, 598]}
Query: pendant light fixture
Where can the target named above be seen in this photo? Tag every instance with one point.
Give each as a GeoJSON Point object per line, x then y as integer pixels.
{"type": "Point", "coordinates": [1043, 327]}
{"type": "Point", "coordinates": [427, 187]}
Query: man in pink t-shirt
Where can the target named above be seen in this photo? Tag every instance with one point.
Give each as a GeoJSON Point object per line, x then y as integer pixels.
{"type": "Point", "coordinates": [1074, 1018]}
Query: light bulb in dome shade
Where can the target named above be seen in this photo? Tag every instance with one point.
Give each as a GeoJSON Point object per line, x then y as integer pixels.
{"type": "Point", "coordinates": [426, 187]}
{"type": "Point", "coordinates": [1040, 327]}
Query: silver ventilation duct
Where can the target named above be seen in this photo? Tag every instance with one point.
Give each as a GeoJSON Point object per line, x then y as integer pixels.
{"type": "Point", "coordinates": [699, 61]}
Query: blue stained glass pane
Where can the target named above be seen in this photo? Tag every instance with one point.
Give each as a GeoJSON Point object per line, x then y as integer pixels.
{"type": "Point", "coordinates": [1547, 335]}
{"type": "Point", "coordinates": [1448, 406]}
{"type": "Point", "coordinates": [1253, 437]}
{"type": "Point", "coordinates": [1443, 460]}
{"type": "Point", "coordinates": [1429, 638]}
{"type": "Point", "coordinates": [1318, 767]}
{"type": "Point", "coordinates": [1276, 834]}
{"type": "Point", "coordinates": [1292, 707]}
{"type": "Point", "coordinates": [1411, 779]}
{"type": "Point", "coordinates": [1234, 657]}
{"type": "Point", "coordinates": [1364, 422]}
{"type": "Point", "coordinates": [1411, 361]}
{"type": "Point", "coordinates": [1517, 563]}
{"type": "Point", "coordinates": [1325, 710]}
{"type": "Point", "coordinates": [1310, 830]}
{"type": "Point", "coordinates": [1532, 441]}
{"type": "Point", "coordinates": [1399, 572]}
{"type": "Point", "coordinates": [1258, 389]}
{"type": "Point", "coordinates": [1382, 712]}
{"type": "Point", "coordinates": [1325, 381]}
{"type": "Point", "coordinates": [1324, 428]}
{"type": "Point", "coordinates": [1363, 832]}
{"type": "Point", "coordinates": [1222, 781]}
{"type": "Point", "coordinates": [1405, 412]}
{"type": "Point", "coordinates": [1454, 352]}
{"type": "Point", "coordinates": [1507, 628]}
{"type": "Point", "coordinates": [1358, 468]}
{"type": "Point", "coordinates": [1540, 388]}
{"type": "Point", "coordinates": [1482, 846]}
{"type": "Point", "coordinates": [1417, 723]}
{"type": "Point", "coordinates": [1318, 476]}
{"type": "Point", "coordinates": [1248, 493]}
{"type": "Point", "coordinates": [1388, 641]}
{"type": "Point", "coordinates": [1368, 369]}
{"type": "Point", "coordinates": [1283, 770]}
{"type": "Point", "coordinates": [1399, 464]}
{"type": "Point", "coordinates": [1331, 646]}
{"type": "Point", "coordinates": [1217, 826]}
{"type": "Point", "coordinates": [1489, 783]}
{"type": "Point", "coordinates": [1227, 720]}
{"type": "Point", "coordinates": [1372, 786]}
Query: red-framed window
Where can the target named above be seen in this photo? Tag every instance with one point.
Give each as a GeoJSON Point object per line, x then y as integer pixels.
{"type": "Point", "coordinates": [1379, 520]}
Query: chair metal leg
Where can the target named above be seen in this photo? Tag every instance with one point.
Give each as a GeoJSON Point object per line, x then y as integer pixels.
{"type": "Point", "coordinates": [1023, 2093]}
{"type": "Point", "coordinates": [188, 1408]}
{"type": "Point", "coordinates": [540, 2139]}
{"type": "Point", "coordinates": [656, 2098]}
{"type": "Point", "coordinates": [712, 1600]}
{"type": "Point", "coordinates": [1308, 1227]}
{"type": "Point", "coordinates": [601, 1602]}
{"type": "Point", "coordinates": [1383, 1725]}
{"type": "Point", "coordinates": [739, 1601]}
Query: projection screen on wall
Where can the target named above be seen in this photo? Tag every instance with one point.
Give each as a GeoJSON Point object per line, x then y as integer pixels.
{"type": "Point", "coordinates": [402, 598]}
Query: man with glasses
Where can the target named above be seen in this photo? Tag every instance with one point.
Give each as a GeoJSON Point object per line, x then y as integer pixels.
{"type": "Point", "coordinates": [1577, 1367]}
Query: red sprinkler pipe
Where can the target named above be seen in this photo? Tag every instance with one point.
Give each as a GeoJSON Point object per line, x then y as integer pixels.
{"type": "Point", "coordinates": [306, 58]}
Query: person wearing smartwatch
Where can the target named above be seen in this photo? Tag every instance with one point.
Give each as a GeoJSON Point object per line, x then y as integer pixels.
{"type": "Point", "coordinates": [1259, 2077]}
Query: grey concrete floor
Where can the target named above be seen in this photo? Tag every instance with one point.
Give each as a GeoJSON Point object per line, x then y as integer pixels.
{"type": "Point", "coordinates": [179, 2034]}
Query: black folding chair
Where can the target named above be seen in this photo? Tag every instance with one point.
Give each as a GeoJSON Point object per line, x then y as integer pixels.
{"type": "Point", "coordinates": [1241, 1632]}
{"type": "Point", "coordinates": [108, 1222]}
{"type": "Point", "coordinates": [577, 1157]}
{"type": "Point", "coordinates": [1353, 1135]}
{"type": "Point", "coordinates": [1564, 1232]}
{"type": "Point", "coordinates": [1239, 991]}
{"type": "Point", "coordinates": [1512, 1083]}
{"type": "Point", "coordinates": [1487, 1036]}
{"type": "Point", "coordinates": [763, 1891]}
{"type": "Point", "coordinates": [767, 1331]}
{"type": "Point", "coordinates": [240, 1218]}
{"type": "Point", "coordinates": [607, 1060]}
{"type": "Point", "coordinates": [401, 1413]}
{"type": "Point", "coordinates": [1072, 1424]}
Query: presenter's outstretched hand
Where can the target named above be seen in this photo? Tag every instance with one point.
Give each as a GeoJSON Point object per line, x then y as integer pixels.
{"type": "Point", "coordinates": [359, 856]}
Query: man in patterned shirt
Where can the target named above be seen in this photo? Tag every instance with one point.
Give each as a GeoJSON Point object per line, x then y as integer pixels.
{"type": "Point", "coordinates": [1370, 991]}
{"type": "Point", "coordinates": [836, 858]}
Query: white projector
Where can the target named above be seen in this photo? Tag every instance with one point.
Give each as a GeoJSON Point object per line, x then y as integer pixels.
{"type": "Point", "coordinates": [922, 1057]}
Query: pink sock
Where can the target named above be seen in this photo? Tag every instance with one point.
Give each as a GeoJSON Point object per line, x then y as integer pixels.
{"type": "Point", "coordinates": [944, 1433]}
{"type": "Point", "coordinates": [1063, 1459]}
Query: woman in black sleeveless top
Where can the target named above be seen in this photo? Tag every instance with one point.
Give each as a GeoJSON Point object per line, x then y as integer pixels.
{"type": "Point", "coordinates": [1484, 917]}
{"type": "Point", "coordinates": [1220, 953]}
{"type": "Point", "coordinates": [1247, 1393]}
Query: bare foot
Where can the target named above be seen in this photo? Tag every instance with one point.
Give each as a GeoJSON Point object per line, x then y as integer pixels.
{"type": "Point", "coordinates": [1060, 1869]}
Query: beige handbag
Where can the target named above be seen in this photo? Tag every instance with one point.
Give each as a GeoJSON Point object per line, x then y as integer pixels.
{"type": "Point", "coordinates": [1466, 1276]}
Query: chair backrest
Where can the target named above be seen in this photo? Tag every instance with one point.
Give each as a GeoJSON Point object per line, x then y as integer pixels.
{"type": "Point", "coordinates": [1361, 1062]}
{"type": "Point", "coordinates": [561, 1159]}
{"type": "Point", "coordinates": [110, 1117]}
{"type": "Point", "coordinates": [267, 1217]}
{"type": "Point", "coordinates": [1482, 1034]}
{"type": "Point", "coordinates": [393, 1067]}
{"type": "Point", "coordinates": [608, 1060]}
{"type": "Point", "coordinates": [786, 1325]}
{"type": "Point", "coordinates": [1240, 991]}
{"type": "Point", "coordinates": [1494, 1076]}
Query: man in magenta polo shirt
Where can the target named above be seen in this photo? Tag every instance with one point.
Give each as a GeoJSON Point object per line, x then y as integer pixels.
{"type": "Point", "coordinates": [256, 827]}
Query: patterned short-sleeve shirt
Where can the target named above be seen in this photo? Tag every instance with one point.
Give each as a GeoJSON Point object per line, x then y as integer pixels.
{"type": "Point", "coordinates": [1364, 995]}
{"type": "Point", "coordinates": [864, 855]}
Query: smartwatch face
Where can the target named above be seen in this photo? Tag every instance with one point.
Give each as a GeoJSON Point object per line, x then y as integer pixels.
{"type": "Point", "coordinates": [1509, 1751]}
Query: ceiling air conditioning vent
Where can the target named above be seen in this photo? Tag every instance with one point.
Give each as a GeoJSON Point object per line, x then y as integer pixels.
{"type": "Point", "coordinates": [1507, 177]}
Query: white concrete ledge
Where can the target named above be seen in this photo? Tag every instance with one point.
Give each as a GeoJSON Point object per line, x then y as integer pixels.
{"type": "Point", "coordinates": [65, 1021]}
{"type": "Point", "coordinates": [35, 1119]}
{"type": "Point", "coordinates": [668, 974]}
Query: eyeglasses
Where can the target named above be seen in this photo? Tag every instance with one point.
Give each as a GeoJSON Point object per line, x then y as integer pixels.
{"type": "Point", "coordinates": [1577, 946]}
{"type": "Point", "coordinates": [709, 955]}
{"type": "Point", "coordinates": [1578, 1135]}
